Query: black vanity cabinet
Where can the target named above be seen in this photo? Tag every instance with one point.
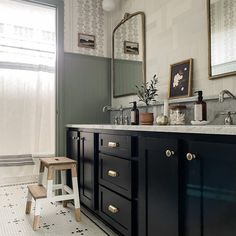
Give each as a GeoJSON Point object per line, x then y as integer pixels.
{"type": "Point", "coordinates": [88, 169]}
{"type": "Point", "coordinates": [72, 144]}
{"type": "Point", "coordinates": [82, 147]}
{"type": "Point", "coordinates": [210, 189]}
{"type": "Point", "coordinates": [72, 150]}
{"type": "Point", "coordinates": [117, 183]}
{"type": "Point", "coordinates": [165, 184]}
{"type": "Point", "coordinates": [158, 187]}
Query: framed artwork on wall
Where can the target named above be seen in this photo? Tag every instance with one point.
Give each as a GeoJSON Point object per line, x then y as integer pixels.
{"type": "Point", "coordinates": [86, 40]}
{"type": "Point", "coordinates": [181, 79]}
{"type": "Point", "coordinates": [131, 48]}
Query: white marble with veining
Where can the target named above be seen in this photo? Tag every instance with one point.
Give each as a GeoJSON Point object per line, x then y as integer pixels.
{"type": "Point", "coordinates": [195, 129]}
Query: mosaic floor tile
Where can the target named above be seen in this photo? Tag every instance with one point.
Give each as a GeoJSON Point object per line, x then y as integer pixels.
{"type": "Point", "coordinates": [55, 220]}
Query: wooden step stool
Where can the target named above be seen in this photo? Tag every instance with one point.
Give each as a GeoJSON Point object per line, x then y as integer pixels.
{"type": "Point", "coordinates": [40, 193]}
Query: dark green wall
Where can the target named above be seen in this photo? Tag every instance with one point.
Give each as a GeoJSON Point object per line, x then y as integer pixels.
{"type": "Point", "coordinates": [86, 89]}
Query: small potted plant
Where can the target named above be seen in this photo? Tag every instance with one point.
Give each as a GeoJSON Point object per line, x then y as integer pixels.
{"type": "Point", "coordinates": [147, 93]}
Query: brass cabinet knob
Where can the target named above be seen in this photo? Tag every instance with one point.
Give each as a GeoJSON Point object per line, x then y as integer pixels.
{"type": "Point", "coordinates": [113, 209]}
{"type": "Point", "coordinates": [190, 156]}
{"type": "Point", "coordinates": [113, 144]}
{"type": "Point", "coordinates": [169, 153]}
{"type": "Point", "coordinates": [112, 173]}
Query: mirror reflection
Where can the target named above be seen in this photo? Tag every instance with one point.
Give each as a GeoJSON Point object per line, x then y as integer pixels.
{"type": "Point", "coordinates": [222, 37]}
{"type": "Point", "coordinates": [128, 56]}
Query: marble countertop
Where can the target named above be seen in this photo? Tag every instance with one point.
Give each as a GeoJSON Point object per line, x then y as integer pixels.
{"type": "Point", "coordinates": [195, 129]}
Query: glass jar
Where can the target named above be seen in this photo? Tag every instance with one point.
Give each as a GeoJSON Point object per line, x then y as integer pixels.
{"type": "Point", "coordinates": [177, 115]}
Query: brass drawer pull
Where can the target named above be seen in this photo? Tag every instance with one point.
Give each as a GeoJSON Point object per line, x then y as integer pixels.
{"type": "Point", "coordinates": [113, 144]}
{"type": "Point", "coordinates": [190, 156]}
{"type": "Point", "coordinates": [112, 173]}
{"type": "Point", "coordinates": [112, 209]}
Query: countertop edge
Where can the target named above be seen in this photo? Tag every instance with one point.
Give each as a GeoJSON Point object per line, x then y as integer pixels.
{"type": "Point", "coordinates": [207, 129]}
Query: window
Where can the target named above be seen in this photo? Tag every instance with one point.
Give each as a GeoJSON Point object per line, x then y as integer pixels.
{"type": "Point", "coordinates": [27, 78]}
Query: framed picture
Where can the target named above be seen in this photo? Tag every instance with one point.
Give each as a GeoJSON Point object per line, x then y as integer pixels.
{"type": "Point", "coordinates": [86, 41]}
{"type": "Point", "coordinates": [181, 79]}
{"type": "Point", "coordinates": [131, 47]}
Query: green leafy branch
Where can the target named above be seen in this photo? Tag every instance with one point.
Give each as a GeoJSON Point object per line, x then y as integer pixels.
{"type": "Point", "coordinates": [147, 93]}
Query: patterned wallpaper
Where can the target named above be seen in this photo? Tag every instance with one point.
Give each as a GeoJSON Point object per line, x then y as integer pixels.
{"type": "Point", "coordinates": [88, 17]}
{"type": "Point", "coordinates": [131, 31]}
{"type": "Point", "coordinates": [175, 31]}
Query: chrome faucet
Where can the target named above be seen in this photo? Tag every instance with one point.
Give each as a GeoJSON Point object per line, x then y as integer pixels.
{"type": "Point", "coordinates": [121, 115]}
{"type": "Point", "coordinates": [222, 94]}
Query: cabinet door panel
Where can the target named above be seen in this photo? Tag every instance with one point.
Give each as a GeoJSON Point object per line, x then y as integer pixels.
{"type": "Point", "coordinates": [87, 169]}
{"type": "Point", "coordinates": [193, 214]}
{"type": "Point", "coordinates": [72, 150]}
{"type": "Point", "coordinates": [217, 187]}
{"type": "Point", "coordinates": [161, 192]}
{"type": "Point", "coordinates": [72, 147]}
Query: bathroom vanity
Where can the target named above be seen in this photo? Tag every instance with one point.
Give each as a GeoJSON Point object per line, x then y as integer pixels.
{"type": "Point", "coordinates": [158, 180]}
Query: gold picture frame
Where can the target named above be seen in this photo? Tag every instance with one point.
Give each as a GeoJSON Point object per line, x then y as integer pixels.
{"type": "Point", "coordinates": [180, 84]}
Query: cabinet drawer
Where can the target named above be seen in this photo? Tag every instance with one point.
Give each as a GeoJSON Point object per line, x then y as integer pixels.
{"type": "Point", "coordinates": [116, 210]}
{"type": "Point", "coordinates": [118, 145]}
{"type": "Point", "coordinates": [115, 173]}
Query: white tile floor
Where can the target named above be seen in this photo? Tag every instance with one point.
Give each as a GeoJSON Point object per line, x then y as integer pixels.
{"type": "Point", "coordinates": [55, 220]}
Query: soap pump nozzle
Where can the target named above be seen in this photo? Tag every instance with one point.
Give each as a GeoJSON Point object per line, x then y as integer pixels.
{"type": "Point", "coordinates": [134, 104]}
{"type": "Point", "coordinates": [199, 95]}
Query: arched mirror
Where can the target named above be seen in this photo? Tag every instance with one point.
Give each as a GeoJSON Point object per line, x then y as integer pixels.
{"type": "Point", "coordinates": [222, 38]}
{"type": "Point", "coordinates": [128, 54]}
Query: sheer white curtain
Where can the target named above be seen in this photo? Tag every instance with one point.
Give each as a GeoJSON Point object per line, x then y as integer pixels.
{"type": "Point", "coordinates": [27, 78]}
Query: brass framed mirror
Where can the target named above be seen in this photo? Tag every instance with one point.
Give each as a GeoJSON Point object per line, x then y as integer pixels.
{"type": "Point", "coordinates": [221, 38]}
{"type": "Point", "coordinates": [128, 54]}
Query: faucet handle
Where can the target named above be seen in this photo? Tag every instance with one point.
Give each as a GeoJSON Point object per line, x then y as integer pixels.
{"type": "Point", "coordinates": [116, 120]}
{"type": "Point", "coordinates": [106, 108]}
{"type": "Point", "coordinates": [126, 120]}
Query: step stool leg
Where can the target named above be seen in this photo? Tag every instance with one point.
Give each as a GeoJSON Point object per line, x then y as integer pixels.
{"type": "Point", "coordinates": [41, 172]}
{"type": "Point", "coordinates": [63, 182]}
{"type": "Point", "coordinates": [50, 181]}
{"type": "Point", "coordinates": [76, 193]}
{"type": "Point", "coordinates": [28, 203]}
{"type": "Point", "coordinates": [36, 215]}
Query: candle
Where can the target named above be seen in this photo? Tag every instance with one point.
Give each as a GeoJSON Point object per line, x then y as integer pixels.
{"type": "Point", "coordinates": [166, 107]}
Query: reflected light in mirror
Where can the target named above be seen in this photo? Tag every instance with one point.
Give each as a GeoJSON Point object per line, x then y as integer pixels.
{"type": "Point", "coordinates": [222, 30]}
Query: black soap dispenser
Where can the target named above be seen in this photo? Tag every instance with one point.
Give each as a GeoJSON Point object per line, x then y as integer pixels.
{"type": "Point", "coordinates": [134, 117]}
{"type": "Point", "coordinates": [200, 108]}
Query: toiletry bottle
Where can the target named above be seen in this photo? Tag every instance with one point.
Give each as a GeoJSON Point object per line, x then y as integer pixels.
{"type": "Point", "coordinates": [134, 118]}
{"type": "Point", "coordinates": [200, 108]}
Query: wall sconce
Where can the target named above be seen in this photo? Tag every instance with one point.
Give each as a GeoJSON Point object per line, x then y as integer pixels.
{"type": "Point", "coordinates": [109, 5]}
